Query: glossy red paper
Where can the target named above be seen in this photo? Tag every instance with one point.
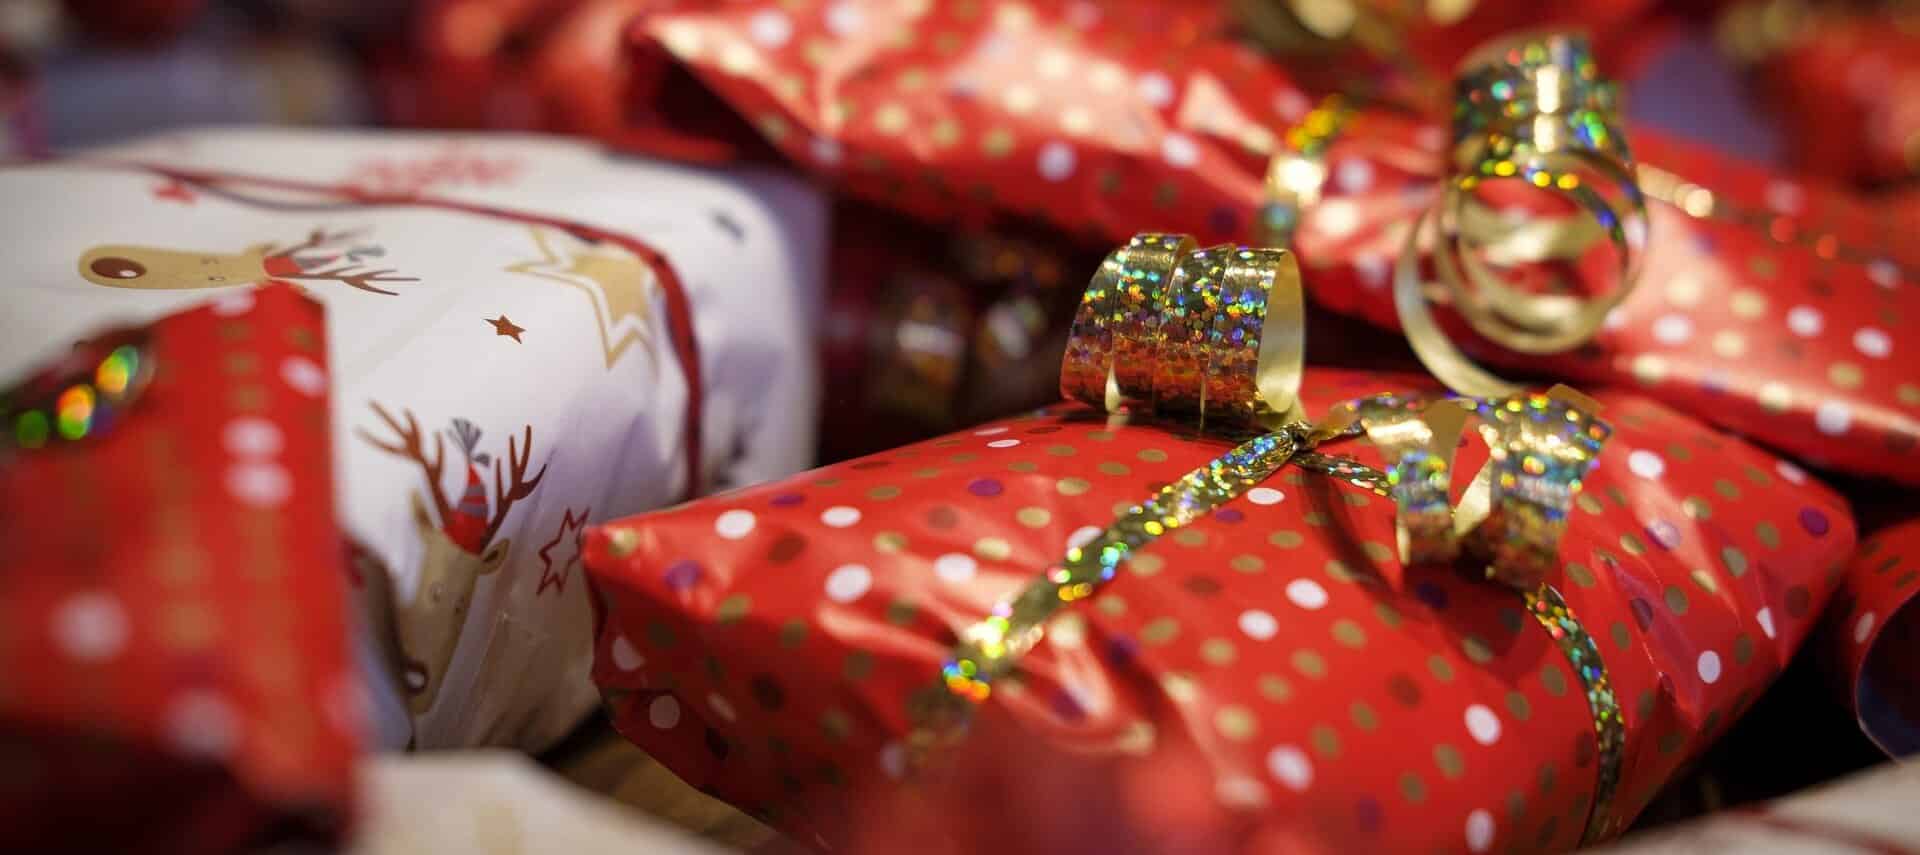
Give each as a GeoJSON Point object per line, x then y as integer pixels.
{"type": "Point", "coordinates": [1275, 655]}
{"type": "Point", "coordinates": [175, 650]}
{"type": "Point", "coordinates": [1875, 634]}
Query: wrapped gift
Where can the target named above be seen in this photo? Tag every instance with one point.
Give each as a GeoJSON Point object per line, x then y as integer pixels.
{"type": "Point", "coordinates": [175, 607]}
{"type": "Point", "coordinates": [1143, 116]}
{"type": "Point", "coordinates": [1077, 629]}
{"type": "Point", "coordinates": [1874, 633]}
{"type": "Point", "coordinates": [500, 379]}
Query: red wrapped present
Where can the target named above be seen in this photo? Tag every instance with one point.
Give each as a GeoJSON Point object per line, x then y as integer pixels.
{"type": "Point", "coordinates": [175, 607]}
{"type": "Point", "coordinates": [1771, 305]}
{"type": "Point", "coordinates": [1874, 632]}
{"type": "Point", "coordinates": [1244, 660]}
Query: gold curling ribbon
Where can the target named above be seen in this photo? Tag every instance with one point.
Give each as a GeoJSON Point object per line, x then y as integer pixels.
{"type": "Point", "coordinates": [1217, 334]}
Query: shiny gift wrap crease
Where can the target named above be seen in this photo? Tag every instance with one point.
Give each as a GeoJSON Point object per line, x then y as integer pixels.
{"type": "Point", "coordinates": [1873, 638]}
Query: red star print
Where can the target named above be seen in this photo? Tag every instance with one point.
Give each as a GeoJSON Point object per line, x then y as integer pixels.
{"type": "Point", "coordinates": [175, 191]}
{"type": "Point", "coordinates": [557, 578]}
{"type": "Point", "coordinates": [505, 327]}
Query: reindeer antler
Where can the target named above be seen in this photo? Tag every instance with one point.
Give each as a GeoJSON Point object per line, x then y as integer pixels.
{"type": "Point", "coordinates": [315, 239]}
{"type": "Point", "coordinates": [357, 280]}
{"type": "Point", "coordinates": [504, 497]}
{"type": "Point", "coordinates": [413, 447]}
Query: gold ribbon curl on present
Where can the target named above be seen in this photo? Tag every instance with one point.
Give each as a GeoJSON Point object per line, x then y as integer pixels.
{"type": "Point", "coordinates": [1214, 338]}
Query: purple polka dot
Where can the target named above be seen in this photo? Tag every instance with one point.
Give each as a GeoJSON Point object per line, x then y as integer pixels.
{"type": "Point", "coordinates": [1715, 382]}
{"type": "Point", "coordinates": [1367, 811]}
{"type": "Point", "coordinates": [1066, 707]}
{"type": "Point", "coordinates": [787, 500]}
{"type": "Point", "coordinates": [682, 575]}
{"type": "Point", "coordinates": [1664, 533]}
{"type": "Point", "coordinates": [1814, 522]}
{"type": "Point", "coordinates": [1122, 650]}
{"type": "Point", "coordinates": [1224, 220]}
{"type": "Point", "coordinates": [985, 487]}
{"type": "Point", "coordinates": [1431, 594]}
{"type": "Point", "coordinates": [1229, 515]}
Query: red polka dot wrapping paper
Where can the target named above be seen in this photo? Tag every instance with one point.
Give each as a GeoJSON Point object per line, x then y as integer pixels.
{"type": "Point", "coordinates": [1267, 679]}
{"type": "Point", "coordinates": [1874, 634]}
{"type": "Point", "coordinates": [1782, 321]}
{"type": "Point", "coordinates": [1847, 91]}
{"type": "Point", "coordinates": [174, 665]}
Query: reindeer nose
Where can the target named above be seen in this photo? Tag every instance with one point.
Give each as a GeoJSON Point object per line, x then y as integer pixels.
{"type": "Point", "coordinates": [114, 267]}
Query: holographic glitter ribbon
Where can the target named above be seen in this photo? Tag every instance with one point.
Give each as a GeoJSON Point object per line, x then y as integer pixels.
{"type": "Point", "coordinates": [78, 398]}
{"type": "Point", "coordinates": [1296, 174]}
{"type": "Point", "coordinates": [1168, 330]}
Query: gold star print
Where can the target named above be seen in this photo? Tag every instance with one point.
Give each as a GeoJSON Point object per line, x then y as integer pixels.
{"type": "Point", "coordinates": [618, 284]}
{"type": "Point", "coordinates": [502, 326]}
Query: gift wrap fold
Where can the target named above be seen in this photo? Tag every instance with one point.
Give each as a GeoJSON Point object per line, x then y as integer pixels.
{"type": "Point", "coordinates": [500, 379]}
{"type": "Point", "coordinates": [1107, 626]}
{"type": "Point", "coordinates": [1768, 304]}
{"type": "Point", "coordinates": [1874, 634]}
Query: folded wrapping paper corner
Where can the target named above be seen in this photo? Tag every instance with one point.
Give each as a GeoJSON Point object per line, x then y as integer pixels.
{"type": "Point", "coordinates": [1873, 635]}
{"type": "Point", "coordinates": [175, 604]}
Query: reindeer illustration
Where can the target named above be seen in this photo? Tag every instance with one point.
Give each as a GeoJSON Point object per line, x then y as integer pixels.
{"type": "Point", "coordinates": [322, 257]}
{"type": "Point", "coordinates": [458, 543]}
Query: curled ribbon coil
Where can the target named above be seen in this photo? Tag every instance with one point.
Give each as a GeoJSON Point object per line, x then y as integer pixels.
{"type": "Point", "coordinates": [1216, 337]}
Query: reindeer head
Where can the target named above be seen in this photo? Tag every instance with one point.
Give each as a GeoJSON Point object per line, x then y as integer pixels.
{"type": "Point", "coordinates": [429, 625]}
{"type": "Point", "coordinates": [119, 266]}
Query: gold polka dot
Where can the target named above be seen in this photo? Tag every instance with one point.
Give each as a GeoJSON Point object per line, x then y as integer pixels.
{"type": "Point", "coordinates": [1179, 687]}
{"type": "Point", "coordinates": [1275, 688]}
{"type": "Point", "coordinates": [1152, 455]}
{"type": "Point", "coordinates": [683, 39]}
{"type": "Point", "coordinates": [1908, 394]}
{"type": "Point", "coordinates": [1476, 649]}
{"type": "Point", "coordinates": [1100, 435]}
{"type": "Point", "coordinates": [944, 133]}
{"type": "Point", "coordinates": [1315, 519]}
{"type": "Point", "coordinates": [1735, 561]}
{"type": "Point", "coordinates": [992, 549]}
{"type": "Point", "coordinates": [1339, 571]}
{"type": "Point", "coordinates": [1110, 604]}
{"type": "Point", "coordinates": [1363, 716]}
{"type": "Point", "coordinates": [1023, 466]}
{"type": "Point", "coordinates": [1632, 545]}
{"type": "Point", "coordinates": [1729, 344]}
{"type": "Point", "coordinates": [1757, 475]}
{"type": "Point", "coordinates": [1325, 741]}
{"type": "Point", "coordinates": [1440, 668]}
{"type": "Point", "coordinates": [1310, 663]}
{"type": "Point", "coordinates": [858, 665]}
{"type": "Point", "coordinates": [1448, 758]}
{"type": "Point", "coordinates": [1058, 450]}
{"type": "Point", "coordinates": [1217, 651]}
{"type": "Point", "coordinates": [1247, 563]}
{"type": "Point", "coordinates": [1696, 508]}
{"type": "Point", "coordinates": [188, 626]}
{"type": "Point", "coordinates": [1621, 637]}
{"type": "Point", "coordinates": [1763, 266]}
{"type": "Point", "coordinates": [1146, 565]}
{"type": "Point", "coordinates": [1114, 467]}
{"type": "Point", "coordinates": [1033, 517]}
{"type": "Point", "coordinates": [1769, 536]}
{"type": "Point", "coordinates": [1684, 290]}
{"type": "Point", "coordinates": [1649, 369]}
{"type": "Point", "coordinates": [1845, 375]}
{"type": "Point", "coordinates": [1137, 739]}
{"type": "Point", "coordinates": [1580, 575]}
{"type": "Point", "coordinates": [1748, 304]}
{"type": "Point", "coordinates": [1357, 500]}
{"type": "Point", "coordinates": [1589, 504]}
{"type": "Point", "coordinates": [739, 59]}
{"type": "Point", "coordinates": [911, 79]}
{"type": "Point", "coordinates": [1019, 99]}
{"type": "Point", "coordinates": [1073, 486]}
{"type": "Point", "coordinates": [732, 608]}
{"type": "Point", "coordinates": [1349, 633]}
{"type": "Point", "coordinates": [773, 126]}
{"type": "Point", "coordinates": [1775, 397]}
{"type": "Point", "coordinates": [1068, 630]}
{"type": "Point", "coordinates": [1190, 537]}
{"type": "Point", "coordinates": [997, 142]}
{"type": "Point", "coordinates": [1727, 489]}
{"type": "Point", "coordinates": [622, 542]}
{"type": "Point", "coordinates": [1076, 120]}
{"type": "Point", "coordinates": [1379, 552]}
{"type": "Point", "coordinates": [1386, 613]}
{"type": "Point", "coordinates": [1235, 722]}
{"type": "Point", "coordinates": [1160, 630]}
{"type": "Point", "coordinates": [1412, 788]}
{"type": "Point", "coordinates": [883, 493]}
{"type": "Point", "coordinates": [1285, 539]}
{"type": "Point", "coordinates": [1676, 600]}
{"type": "Point", "coordinates": [1553, 680]}
{"type": "Point", "coordinates": [793, 633]}
{"type": "Point", "coordinates": [1518, 706]}
{"type": "Point", "coordinates": [1705, 581]}
{"type": "Point", "coordinates": [926, 472]}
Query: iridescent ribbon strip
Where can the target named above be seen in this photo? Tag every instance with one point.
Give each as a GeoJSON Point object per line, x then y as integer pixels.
{"type": "Point", "coordinates": [80, 397]}
{"type": "Point", "coordinates": [1168, 330]}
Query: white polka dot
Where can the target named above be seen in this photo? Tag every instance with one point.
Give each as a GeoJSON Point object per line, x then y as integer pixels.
{"type": "Point", "coordinates": [1056, 161]}
{"type": "Point", "coordinates": [827, 151]}
{"type": "Point", "coordinates": [1765, 618]}
{"type": "Point", "coordinates": [990, 431]}
{"type": "Point", "coordinates": [1353, 176]}
{"type": "Point", "coordinates": [261, 484]}
{"type": "Point", "coordinates": [1615, 319]}
{"type": "Point", "coordinates": [734, 524]}
{"type": "Point", "coordinates": [1265, 496]}
{"type": "Point", "coordinates": [1290, 766]}
{"type": "Point", "coordinates": [1784, 198]}
{"type": "Point", "coordinates": [1335, 218]}
{"type": "Point", "coordinates": [91, 627]}
{"type": "Point", "coordinates": [1239, 791]}
{"type": "Point", "coordinates": [893, 760]}
{"type": "Point", "coordinates": [1179, 151]}
{"type": "Point", "coordinates": [230, 303]}
{"type": "Point", "coordinates": [845, 19]}
{"type": "Point", "coordinates": [1833, 418]}
{"type": "Point", "coordinates": [664, 712]}
{"type": "Point", "coordinates": [1883, 273]}
{"type": "Point", "coordinates": [1291, 105]}
{"type": "Point", "coordinates": [303, 376]}
{"type": "Point", "coordinates": [1003, 443]}
{"type": "Point", "coordinates": [1373, 270]}
{"type": "Point", "coordinates": [1431, 138]}
{"type": "Point", "coordinates": [848, 582]}
{"type": "Point", "coordinates": [840, 516]}
{"type": "Point", "coordinates": [1873, 342]}
{"type": "Point", "coordinates": [1672, 329]}
{"type": "Point", "coordinates": [955, 567]}
{"type": "Point", "coordinates": [722, 707]}
{"type": "Point", "coordinates": [1863, 628]}
{"type": "Point", "coordinates": [770, 28]}
{"type": "Point", "coordinates": [1483, 725]}
{"type": "Point", "coordinates": [1646, 464]}
{"type": "Point", "coordinates": [1155, 89]}
{"type": "Point", "coordinates": [1805, 321]}
{"type": "Point", "coordinates": [1307, 594]}
{"type": "Point", "coordinates": [1258, 625]}
{"type": "Point", "coordinates": [1480, 830]}
{"type": "Point", "coordinates": [625, 657]}
{"type": "Point", "coordinates": [1709, 667]}
{"type": "Point", "coordinates": [200, 723]}
{"type": "Point", "coordinates": [1791, 472]}
{"type": "Point", "coordinates": [1084, 535]}
{"type": "Point", "coordinates": [252, 436]}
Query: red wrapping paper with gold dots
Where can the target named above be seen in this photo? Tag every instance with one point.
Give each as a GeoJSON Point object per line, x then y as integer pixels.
{"type": "Point", "coordinates": [1769, 305]}
{"type": "Point", "coordinates": [173, 617]}
{"type": "Point", "coordinates": [1267, 679]}
{"type": "Point", "coordinates": [1874, 632]}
